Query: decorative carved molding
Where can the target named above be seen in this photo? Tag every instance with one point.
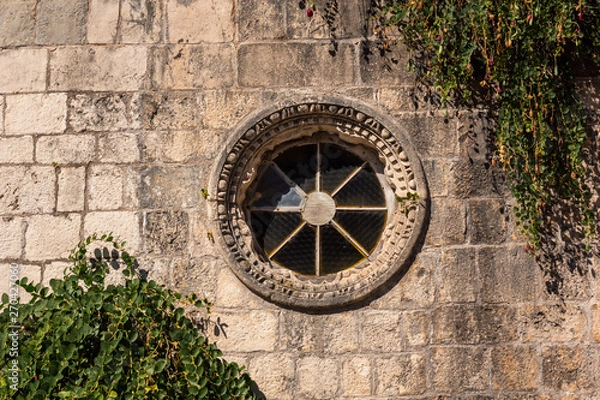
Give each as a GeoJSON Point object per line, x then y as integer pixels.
{"type": "Point", "coordinates": [406, 219]}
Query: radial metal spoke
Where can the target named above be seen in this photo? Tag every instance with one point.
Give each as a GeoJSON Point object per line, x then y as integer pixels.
{"type": "Point", "coordinates": [318, 175]}
{"type": "Point", "coordinates": [349, 238]}
{"type": "Point", "coordinates": [287, 179]}
{"type": "Point", "coordinates": [287, 239]}
{"type": "Point", "coordinates": [348, 179]}
{"type": "Point", "coordinates": [277, 209]}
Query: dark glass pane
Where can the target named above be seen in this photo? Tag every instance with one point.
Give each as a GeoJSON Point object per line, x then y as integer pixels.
{"type": "Point", "coordinates": [273, 191]}
{"type": "Point", "coordinates": [364, 226]}
{"type": "Point", "coordinates": [300, 165]}
{"type": "Point", "coordinates": [299, 253]}
{"type": "Point", "coordinates": [336, 165]}
{"type": "Point", "coordinates": [271, 229]}
{"type": "Point", "coordinates": [337, 253]}
{"type": "Point", "coordinates": [363, 190]}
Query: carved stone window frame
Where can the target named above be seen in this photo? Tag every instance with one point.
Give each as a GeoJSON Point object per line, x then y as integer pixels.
{"type": "Point", "coordinates": [350, 122]}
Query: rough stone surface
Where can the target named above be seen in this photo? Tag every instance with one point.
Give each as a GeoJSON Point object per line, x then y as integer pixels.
{"type": "Point", "coordinates": [103, 112]}
{"type": "Point", "coordinates": [16, 150]}
{"type": "Point", "coordinates": [487, 221]}
{"type": "Point", "coordinates": [166, 232]}
{"type": "Point", "coordinates": [13, 237]}
{"type": "Point", "coordinates": [402, 375]}
{"type": "Point", "coordinates": [27, 190]}
{"type": "Point", "coordinates": [249, 331]}
{"type": "Point", "coordinates": [71, 189]}
{"type": "Point", "coordinates": [457, 276]}
{"type": "Point", "coordinates": [448, 223]}
{"type": "Point", "coordinates": [23, 70]}
{"type": "Point", "coordinates": [65, 149]}
{"type": "Point", "coordinates": [276, 381]}
{"type": "Point", "coordinates": [508, 275]}
{"type": "Point", "coordinates": [61, 22]}
{"type": "Point", "coordinates": [177, 187]}
{"type": "Point", "coordinates": [514, 368]}
{"type": "Point", "coordinates": [118, 148]}
{"type": "Point", "coordinates": [123, 224]}
{"type": "Point", "coordinates": [456, 369]}
{"type": "Point", "coordinates": [178, 110]}
{"type": "Point", "coordinates": [36, 113]}
{"type": "Point", "coordinates": [182, 20]}
{"type": "Point", "coordinates": [317, 377]}
{"type": "Point", "coordinates": [51, 237]}
{"type": "Point", "coordinates": [568, 368]}
{"type": "Point", "coordinates": [103, 21]}
{"type": "Point", "coordinates": [17, 22]}
{"type": "Point", "coordinates": [141, 21]}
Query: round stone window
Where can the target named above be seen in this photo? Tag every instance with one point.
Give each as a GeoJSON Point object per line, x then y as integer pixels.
{"type": "Point", "coordinates": [319, 204]}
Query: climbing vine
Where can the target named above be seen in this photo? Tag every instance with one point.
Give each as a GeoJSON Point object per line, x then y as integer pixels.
{"type": "Point", "coordinates": [520, 57]}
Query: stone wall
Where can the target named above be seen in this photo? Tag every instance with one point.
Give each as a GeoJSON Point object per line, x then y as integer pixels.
{"type": "Point", "coordinates": [114, 114]}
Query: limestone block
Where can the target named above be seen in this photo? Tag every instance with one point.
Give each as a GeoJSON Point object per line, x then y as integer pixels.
{"type": "Point", "coordinates": [457, 277]}
{"type": "Point", "coordinates": [102, 112]}
{"type": "Point", "coordinates": [357, 377]}
{"type": "Point", "coordinates": [103, 21]}
{"type": "Point", "coordinates": [477, 179]}
{"type": "Point", "coordinates": [596, 322]}
{"type": "Point", "coordinates": [448, 223]}
{"type": "Point", "coordinates": [259, 20]}
{"type": "Point", "coordinates": [381, 331]}
{"type": "Point", "coordinates": [389, 69]}
{"type": "Point", "coordinates": [105, 187]}
{"type": "Point", "coordinates": [416, 287]}
{"type": "Point", "coordinates": [508, 275]}
{"type": "Point", "coordinates": [417, 327]}
{"type": "Point", "coordinates": [16, 150]}
{"type": "Point", "coordinates": [295, 64]}
{"type": "Point", "coordinates": [176, 110]}
{"type": "Point", "coordinates": [65, 149]}
{"type": "Point", "coordinates": [54, 270]}
{"type": "Point", "coordinates": [341, 333]}
{"type": "Point", "coordinates": [23, 70]}
{"type": "Point", "coordinates": [248, 331]}
{"type": "Point", "coordinates": [459, 369]}
{"type": "Point", "coordinates": [180, 146]}
{"type": "Point", "coordinates": [155, 269]}
{"type": "Point", "coordinates": [318, 378]}
{"type": "Point", "coordinates": [12, 238]}
{"type": "Point", "coordinates": [36, 113]}
{"type": "Point", "coordinates": [514, 368]}
{"type": "Point", "coordinates": [205, 66]}
{"type": "Point", "coordinates": [401, 375]}
{"type": "Point", "coordinates": [274, 375]}
{"type": "Point", "coordinates": [202, 234]}
{"type": "Point", "coordinates": [183, 21]}
{"type": "Point", "coordinates": [118, 148]}
{"type": "Point", "coordinates": [347, 20]}
{"type": "Point", "coordinates": [221, 108]}
{"type": "Point", "coordinates": [397, 100]}
{"type": "Point", "coordinates": [433, 134]}
{"type": "Point", "coordinates": [61, 21]}
{"type": "Point", "coordinates": [114, 68]}
{"type": "Point", "coordinates": [31, 272]}
{"type": "Point", "coordinates": [553, 322]}
{"type": "Point", "coordinates": [141, 21]}
{"type": "Point", "coordinates": [487, 221]}
{"type": "Point", "coordinates": [170, 187]}
{"type": "Point", "coordinates": [26, 190]}
{"type": "Point", "coordinates": [50, 237]}
{"type": "Point", "coordinates": [568, 368]}
{"type": "Point", "coordinates": [166, 232]}
{"type": "Point", "coordinates": [437, 171]}
{"type": "Point", "coordinates": [17, 22]}
{"type": "Point", "coordinates": [302, 332]}
{"type": "Point", "coordinates": [71, 189]}
{"type": "Point", "coordinates": [475, 135]}
{"type": "Point", "coordinates": [123, 224]}
{"type": "Point", "coordinates": [195, 275]}
{"type": "Point", "coordinates": [232, 293]}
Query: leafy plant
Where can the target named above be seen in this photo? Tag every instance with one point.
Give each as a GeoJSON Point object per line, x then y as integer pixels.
{"type": "Point", "coordinates": [87, 339]}
{"type": "Point", "coordinates": [520, 56]}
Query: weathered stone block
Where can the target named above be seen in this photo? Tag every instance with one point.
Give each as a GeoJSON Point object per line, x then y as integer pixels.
{"type": "Point", "coordinates": [475, 135]}
{"type": "Point", "coordinates": [514, 368]}
{"type": "Point", "coordinates": [487, 221]}
{"type": "Point", "coordinates": [458, 280]}
{"type": "Point", "coordinates": [170, 187]}
{"type": "Point", "coordinates": [221, 108]}
{"type": "Point", "coordinates": [17, 22]}
{"type": "Point", "coordinates": [433, 134]}
{"type": "Point", "coordinates": [568, 368]}
{"type": "Point", "coordinates": [232, 293]}
{"type": "Point", "coordinates": [206, 66]}
{"type": "Point", "coordinates": [402, 375]}
{"type": "Point", "coordinates": [103, 112]}
{"type": "Point", "coordinates": [508, 275]}
{"type": "Point", "coordinates": [275, 381]}
{"type": "Point", "coordinates": [381, 331]}
{"type": "Point", "coordinates": [182, 18]}
{"type": "Point", "coordinates": [596, 322]}
{"type": "Point", "coordinates": [459, 369]}
{"type": "Point", "coordinates": [389, 69]}
{"type": "Point", "coordinates": [202, 237]}
{"type": "Point", "coordinates": [115, 68]}
{"type": "Point", "coordinates": [105, 187]}
{"type": "Point", "coordinates": [103, 21]}
{"type": "Point", "coordinates": [71, 189]}
{"type": "Point", "coordinates": [302, 332]}
{"type": "Point", "coordinates": [318, 378]}
{"type": "Point", "coordinates": [50, 237]}
{"type": "Point", "coordinates": [477, 179]}
{"type": "Point", "coordinates": [195, 275]}
{"type": "Point", "coordinates": [23, 70]}
{"type": "Point", "coordinates": [295, 64]}
{"type": "Point", "coordinates": [118, 148]}
{"type": "Point", "coordinates": [16, 150]}
{"type": "Point", "coordinates": [417, 327]}
{"type": "Point", "coordinates": [156, 269]}
{"type": "Point", "coordinates": [66, 149]}
{"type": "Point", "coordinates": [344, 20]}
{"type": "Point", "coordinates": [260, 21]}
{"type": "Point", "coordinates": [12, 238]}
{"type": "Point", "coordinates": [436, 171]}
{"type": "Point", "coordinates": [124, 225]}
{"type": "Point", "coordinates": [341, 333]}
{"type": "Point", "coordinates": [61, 21]}
{"type": "Point", "coordinates": [180, 146]}
{"type": "Point", "coordinates": [141, 21]}
{"type": "Point", "coordinates": [249, 331]}
{"type": "Point", "coordinates": [357, 377]}
{"type": "Point", "coordinates": [166, 232]}
{"type": "Point", "coordinates": [171, 111]}
{"type": "Point", "coordinates": [474, 324]}
{"type": "Point", "coordinates": [36, 113]}
{"type": "Point", "coordinates": [552, 323]}
{"type": "Point", "coordinates": [448, 223]}
{"type": "Point", "coordinates": [26, 190]}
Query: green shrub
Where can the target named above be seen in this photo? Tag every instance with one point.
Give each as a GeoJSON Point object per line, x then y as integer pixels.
{"type": "Point", "coordinates": [87, 339]}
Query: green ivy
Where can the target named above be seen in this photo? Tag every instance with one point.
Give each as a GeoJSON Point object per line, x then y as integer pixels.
{"type": "Point", "coordinates": [521, 55]}
{"type": "Point", "coordinates": [87, 339]}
